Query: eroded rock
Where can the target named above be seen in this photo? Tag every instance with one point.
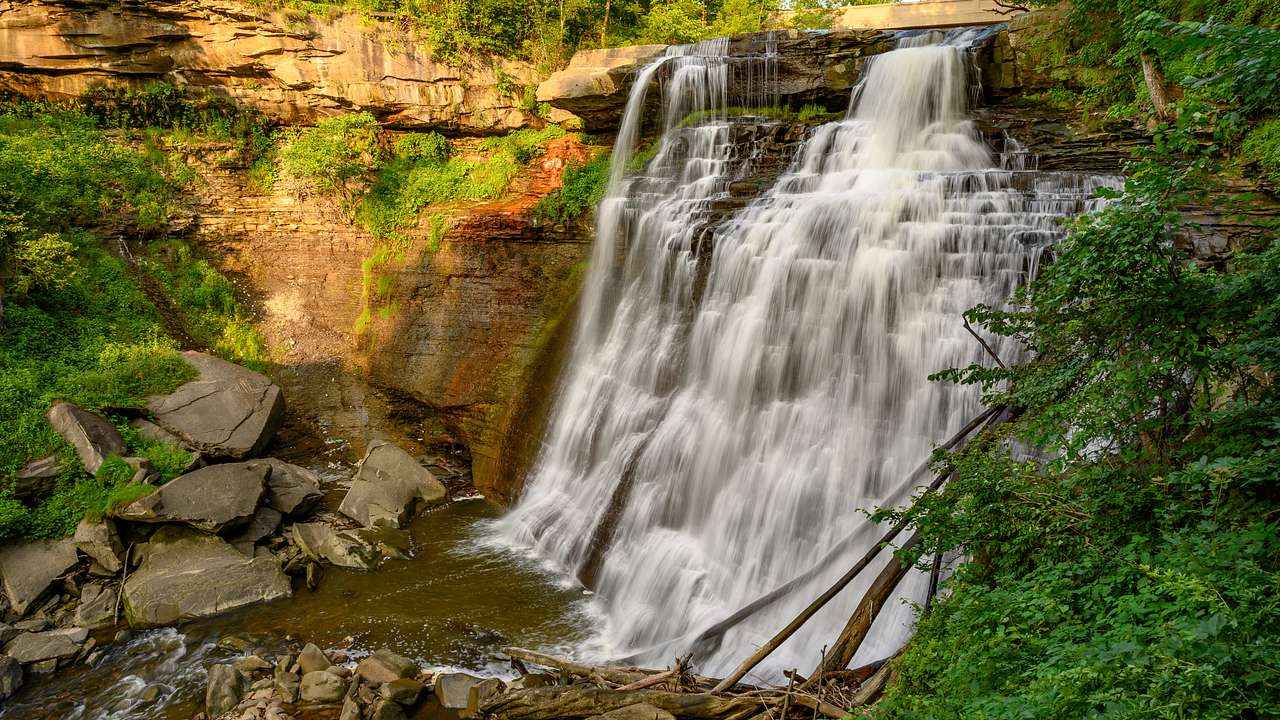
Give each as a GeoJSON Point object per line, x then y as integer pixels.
{"type": "Point", "coordinates": [37, 478]}
{"type": "Point", "coordinates": [10, 676]}
{"type": "Point", "coordinates": [48, 645]}
{"type": "Point", "coordinates": [226, 687]}
{"type": "Point", "coordinates": [320, 541]}
{"type": "Point", "coordinates": [292, 490]}
{"type": "Point", "coordinates": [263, 523]}
{"type": "Point", "coordinates": [97, 606]}
{"type": "Point", "coordinates": [228, 411]}
{"type": "Point", "coordinates": [385, 666]}
{"type": "Point", "coordinates": [213, 498]}
{"type": "Point", "coordinates": [312, 658]}
{"type": "Point", "coordinates": [30, 568]}
{"type": "Point", "coordinates": [186, 575]}
{"type": "Point", "coordinates": [100, 542]}
{"type": "Point", "coordinates": [93, 436]}
{"type": "Point", "coordinates": [453, 690]}
{"type": "Point", "coordinates": [322, 686]}
{"type": "Point", "coordinates": [389, 487]}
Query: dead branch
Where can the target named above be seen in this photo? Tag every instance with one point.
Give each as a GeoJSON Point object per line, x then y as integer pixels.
{"type": "Point", "coordinates": [984, 344]}
{"type": "Point", "coordinates": [651, 680]}
{"type": "Point", "coordinates": [616, 675]}
{"type": "Point", "coordinates": [1008, 8]}
{"type": "Point", "coordinates": [873, 687]}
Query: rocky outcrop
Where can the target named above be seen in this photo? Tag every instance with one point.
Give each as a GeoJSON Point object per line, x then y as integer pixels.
{"type": "Point", "coordinates": [187, 575]}
{"type": "Point", "coordinates": [228, 411]}
{"type": "Point", "coordinates": [791, 67]}
{"type": "Point", "coordinates": [296, 69]}
{"type": "Point", "coordinates": [213, 499]}
{"type": "Point", "coordinates": [94, 438]}
{"type": "Point", "coordinates": [28, 569]}
{"type": "Point", "coordinates": [101, 543]}
{"type": "Point", "coordinates": [291, 490]}
{"type": "Point", "coordinates": [389, 488]}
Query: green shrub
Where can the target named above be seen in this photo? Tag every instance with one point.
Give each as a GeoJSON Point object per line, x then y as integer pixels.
{"type": "Point", "coordinates": [1261, 147]}
{"type": "Point", "coordinates": [334, 152]}
{"type": "Point", "coordinates": [424, 147]}
{"type": "Point", "coordinates": [584, 186]}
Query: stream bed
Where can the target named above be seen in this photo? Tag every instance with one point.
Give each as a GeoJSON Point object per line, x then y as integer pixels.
{"type": "Point", "coordinates": [453, 605]}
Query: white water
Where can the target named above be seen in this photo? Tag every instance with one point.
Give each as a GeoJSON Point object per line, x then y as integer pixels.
{"type": "Point", "coordinates": [737, 430]}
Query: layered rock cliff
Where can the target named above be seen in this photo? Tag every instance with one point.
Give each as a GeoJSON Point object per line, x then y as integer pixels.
{"type": "Point", "coordinates": [290, 66]}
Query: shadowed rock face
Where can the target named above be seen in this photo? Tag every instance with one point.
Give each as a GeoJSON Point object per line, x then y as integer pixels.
{"type": "Point", "coordinates": [295, 72]}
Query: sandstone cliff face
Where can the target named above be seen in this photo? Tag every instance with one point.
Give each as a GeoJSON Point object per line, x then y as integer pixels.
{"type": "Point", "coordinates": [477, 317]}
{"type": "Point", "coordinates": [294, 69]}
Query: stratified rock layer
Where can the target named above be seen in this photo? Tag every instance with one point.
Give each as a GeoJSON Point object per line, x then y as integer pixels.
{"type": "Point", "coordinates": [296, 71]}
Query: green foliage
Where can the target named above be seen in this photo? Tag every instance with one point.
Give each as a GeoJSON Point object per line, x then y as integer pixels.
{"type": "Point", "coordinates": [584, 186]}
{"type": "Point", "coordinates": [334, 152]}
{"type": "Point", "coordinates": [424, 147]}
{"type": "Point", "coordinates": [1261, 147]}
{"type": "Point", "coordinates": [1131, 569]}
{"type": "Point", "coordinates": [207, 299]}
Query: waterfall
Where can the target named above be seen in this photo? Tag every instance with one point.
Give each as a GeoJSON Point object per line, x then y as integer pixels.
{"type": "Point", "coordinates": [741, 388]}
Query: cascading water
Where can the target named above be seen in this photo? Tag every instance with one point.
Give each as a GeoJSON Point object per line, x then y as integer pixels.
{"type": "Point", "coordinates": [726, 415]}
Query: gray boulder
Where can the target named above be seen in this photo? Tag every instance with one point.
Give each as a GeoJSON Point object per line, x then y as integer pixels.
{"type": "Point", "coordinates": [10, 676]}
{"type": "Point", "coordinates": [292, 490]}
{"type": "Point", "coordinates": [48, 645]}
{"type": "Point", "coordinates": [97, 606]}
{"type": "Point", "coordinates": [404, 691]}
{"type": "Point", "coordinates": [387, 710]}
{"type": "Point", "coordinates": [389, 488]}
{"type": "Point", "coordinates": [322, 686]}
{"type": "Point", "coordinates": [227, 412]}
{"type": "Point", "coordinates": [37, 478]}
{"type": "Point", "coordinates": [187, 575]}
{"type": "Point", "coordinates": [312, 659]}
{"type": "Point", "coordinates": [100, 542]}
{"type": "Point", "coordinates": [92, 435]}
{"type": "Point", "coordinates": [30, 568]}
{"type": "Point", "coordinates": [385, 666]}
{"type": "Point", "coordinates": [453, 690]}
{"type": "Point", "coordinates": [213, 498]}
{"type": "Point", "coordinates": [264, 522]}
{"type": "Point", "coordinates": [224, 691]}
{"type": "Point", "coordinates": [319, 541]}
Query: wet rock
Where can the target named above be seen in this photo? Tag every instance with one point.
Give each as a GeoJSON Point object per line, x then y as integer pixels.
{"type": "Point", "coordinates": [97, 606]}
{"type": "Point", "coordinates": [292, 490]}
{"type": "Point", "coordinates": [350, 710]}
{"type": "Point", "coordinates": [100, 542]}
{"type": "Point", "coordinates": [639, 711]}
{"type": "Point", "coordinates": [151, 693]}
{"type": "Point", "coordinates": [33, 625]}
{"type": "Point", "coordinates": [29, 569]}
{"type": "Point", "coordinates": [322, 687]}
{"type": "Point", "coordinates": [186, 575]}
{"type": "Point", "coordinates": [213, 499]}
{"type": "Point", "coordinates": [387, 710]}
{"type": "Point", "coordinates": [7, 633]}
{"type": "Point", "coordinates": [93, 436]}
{"type": "Point", "coordinates": [226, 687]}
{"type": "Point", "coordinates": [404, 691]}
{"type": "Point", "coordinates": [320, 541]}
{"type": "Point", "coordinates": [44, 667]}
{"type": "Point", "coordinates": [229, 411]}
{"type": "Point", "coordinates": [312, 659]}
{"type": "Point", "coordinates": [287, 685]}
{"type": "Point", "coordinates": [385, 666]}
{"type": "Point", "coordinates": [263, 523]}
{"type": "Point", "coordinates": [37, 478]}
{"type": "Point", "coordinates": [453, 690]}
{"type": "Point", "coordinates": [49, 645]}
{"type": "Point", "coordinates": [389, 487]}
{"type": "Point", "coordinates": [10, 676]}
{"type": "Point", "coordinates": [252, 664]}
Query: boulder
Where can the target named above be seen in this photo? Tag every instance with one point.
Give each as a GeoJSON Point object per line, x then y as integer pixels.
{"type": "Point", "coordinates": [263, 523]}
{"type": "Point", "coordinates": [93, 436]}
{"type": "Point", "coordinates": [453, 690]}
{"type": "Point", "coordinates": [350, 709]}
{"type": "Point", "coordinates": [385, 666]}
{"type": "Point", "coordinates": [227, 412]}
{"type": "Point", "coordinates": [100, 542]}
{"type": "Point", "coordinates": [251, 664]}
{"type": "Point", "coordinates": [37, 478]}
{"type": "Point", "coordinates": [10, 677]}
{"type": "Point", "coordinates": [312, 659]}
{"type": "Point", "coordinates": [225, 689]}
{"type": "Point", "coordinates": [322, 686]}
{"type": "Point", "coordinates": [28, 569]}
{"type": "Point", "coordinates": [47, 645]}
{"type": "Point", "coordinates": [387, 710]}
{"type": "Point", "coordinates": [389, 487]}
{"type": "Point", "coordinates": [213, 498]}
{"type": "Point", "coordinates": [8, 632]}
{"type": "Point", "coordinates": [404, 691]}
{"type": "Point", "coordinates": [186, 575]}
{"type": "Point", "coordinates": [320, 541]}
{"type": "Point", "coordinates": [292, 490]}
{"type": "Point", "coordinates": [97, 606]}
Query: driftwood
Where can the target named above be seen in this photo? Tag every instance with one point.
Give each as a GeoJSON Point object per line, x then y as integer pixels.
{"type": "Point", "coordinates": [873, 687]}
{"type": "Point", "coordinates": [855, 631]}
{"type": "Point", "coordinates": [616, 675]}
{"type": "Point", "coordinates": [583, 702]}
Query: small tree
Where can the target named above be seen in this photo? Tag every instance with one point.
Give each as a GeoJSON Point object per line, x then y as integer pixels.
{"type": "Point", "coordinates": [31, 261]}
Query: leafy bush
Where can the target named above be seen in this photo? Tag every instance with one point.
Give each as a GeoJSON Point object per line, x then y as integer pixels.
{"type": "Point", "coordinates": [1261, 147]}
{"type": "Point", "coordinates": [584, 186]}
{"type": "Point", "coordinates": [335, 151]}
{"type": "Point", "coordinates": [424, 147]}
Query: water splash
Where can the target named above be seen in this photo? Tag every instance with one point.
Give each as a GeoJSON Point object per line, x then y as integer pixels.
{"type": "Point", "coordinates": [727, 413]}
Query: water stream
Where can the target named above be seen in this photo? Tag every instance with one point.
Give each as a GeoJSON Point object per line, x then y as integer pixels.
{"type": "Point", "coordinates": [726, 416]}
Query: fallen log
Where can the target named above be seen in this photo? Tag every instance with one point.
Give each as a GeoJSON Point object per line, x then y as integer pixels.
{"type": "Point", "coordinates": [616, 675]}
{"type": "Point", "coordinates": [873, 687]}
{"type": "Point", "coordinates": [583, 702]}
{"type": "Point", "coordinates": [651, 680]}
{"type": "Point", "coordinates": [855, 631]}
